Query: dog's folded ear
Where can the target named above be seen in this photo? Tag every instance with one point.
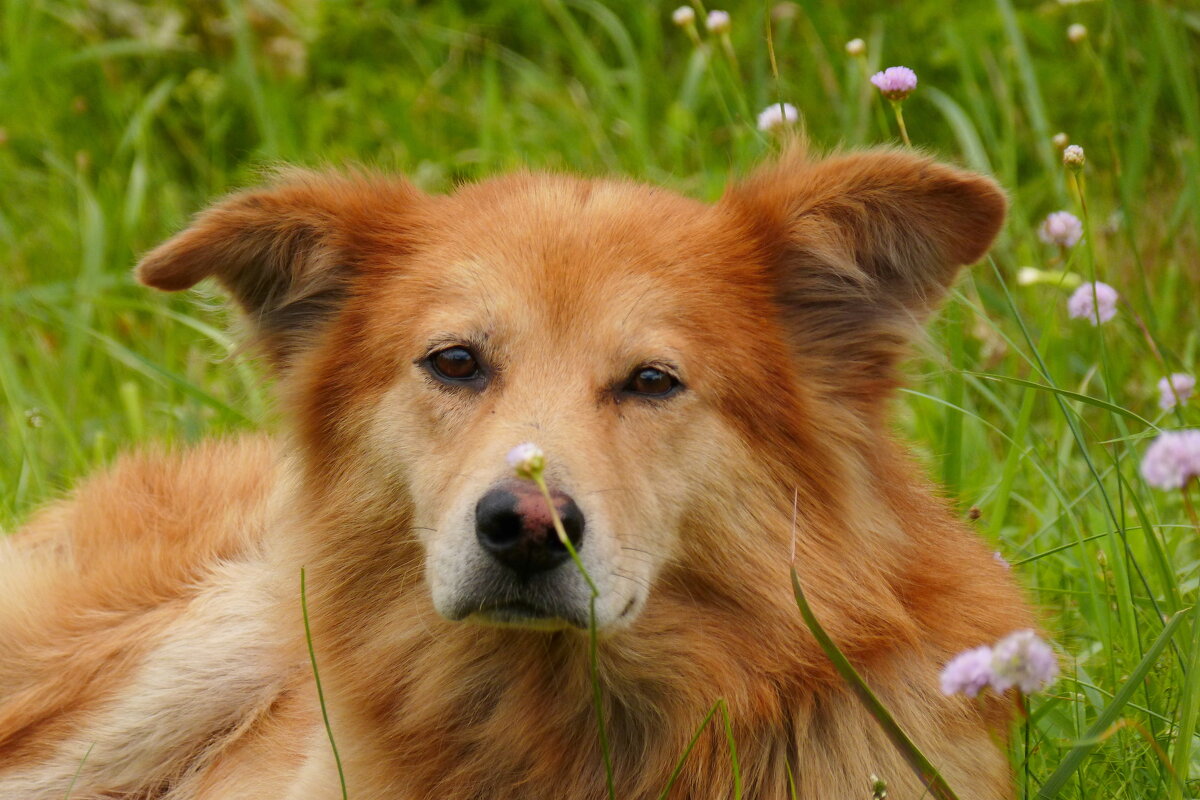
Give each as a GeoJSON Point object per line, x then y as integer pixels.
{"type": "Point", "coordinates": [861, 249]}
{"type": "Point", "coordinates": [287, 252]}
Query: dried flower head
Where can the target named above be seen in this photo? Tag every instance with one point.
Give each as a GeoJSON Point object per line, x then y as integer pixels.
{"type": "Point", "coordinates": [527, 460]}
{"type": "Point", "coordinates": [777, 115]}
{"type": "Point", "coordinates": [896, 83]}
{"type": "Point", "coordinates": [1175, 388]}
{"type": "Point", "coordinates": [683, 16]}
{"type": "Point", "coordinates": [1023, 660]}
{"type": "Point", "coordinates": [856, 47]}
{"type": "Point", "coordinates": [1061, 140]}
{"type": "Point", "coordinates": [1096, 302]}
{"type": "Point", "coordinates": [1073, 156]}
{"type": "Point", "coordinates": [718, 22]}
{"type": "Point", "coordinates": [1172, 460]}
{"type": "Point", "coordinates": [1062, 228]}
{"type": "Point", "coordinates": [969, 672]}
{"type": "Point", "coordinates": [1076, 33]}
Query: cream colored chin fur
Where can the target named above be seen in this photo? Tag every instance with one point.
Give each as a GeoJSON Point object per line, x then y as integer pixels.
{"type": "Point", "coordinates": [153, 646]}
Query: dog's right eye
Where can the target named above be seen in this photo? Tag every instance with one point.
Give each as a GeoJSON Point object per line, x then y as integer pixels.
{"type": "Point", "coordinates": [457, 364]}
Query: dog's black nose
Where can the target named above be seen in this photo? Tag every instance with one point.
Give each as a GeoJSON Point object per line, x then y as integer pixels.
{"type": "Point", "coordinates": [513, 523]}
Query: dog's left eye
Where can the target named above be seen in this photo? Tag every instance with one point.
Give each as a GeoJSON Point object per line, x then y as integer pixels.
{"type": "Point", "coordinates": [651, 382]}
{"type": "Point", "coordinates": [456, 364]}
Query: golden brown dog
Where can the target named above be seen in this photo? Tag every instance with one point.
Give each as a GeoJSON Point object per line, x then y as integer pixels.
{"type": "Point", "coordinates": [711, 386]}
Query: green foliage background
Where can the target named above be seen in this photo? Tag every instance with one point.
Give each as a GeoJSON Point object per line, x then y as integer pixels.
{"type": "Point", "coordinates": [118, 119]}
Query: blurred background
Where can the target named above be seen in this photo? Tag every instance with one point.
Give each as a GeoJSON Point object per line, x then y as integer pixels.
{"type": "Point", "coordinates": [120, 119]}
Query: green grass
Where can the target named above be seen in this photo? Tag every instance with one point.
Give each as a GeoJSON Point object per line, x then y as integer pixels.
{"type": "Point", "coordinates": [121, 118]}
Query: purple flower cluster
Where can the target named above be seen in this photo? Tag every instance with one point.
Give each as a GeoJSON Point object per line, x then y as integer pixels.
{"type": "Point", "coordinates": [896, 83]}
{"type": "Point", "coordinates": [1176, 388]}
{"type": "Point", "coordinates": [1095, 302]}
{"type": "Point", "coordinates": [1020, 659]}
{"type": "Point", "coordinates": [1173, 459]}
{"type": "Point", "coordinates": [1062, 229]}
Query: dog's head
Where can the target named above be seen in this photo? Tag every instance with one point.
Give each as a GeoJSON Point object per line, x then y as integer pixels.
{"type": "Point", "coordinates": [663, 352]}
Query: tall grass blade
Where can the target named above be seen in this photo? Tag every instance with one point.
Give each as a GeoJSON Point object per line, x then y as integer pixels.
{"type": "Point", "coordinates": [908, 749]}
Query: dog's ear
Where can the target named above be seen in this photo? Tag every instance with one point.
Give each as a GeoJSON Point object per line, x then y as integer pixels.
{"type": "Point", "coordinates": [287, 252]}
{"type": "Point", "coordinates": [861, 249]}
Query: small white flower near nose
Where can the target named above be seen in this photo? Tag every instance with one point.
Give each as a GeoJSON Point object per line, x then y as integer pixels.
{"type": "Point", "coordinates": [527, 460]}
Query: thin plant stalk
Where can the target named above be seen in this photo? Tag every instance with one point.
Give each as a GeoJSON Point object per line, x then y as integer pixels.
{"type": "Point", "coordinates": [912, 754]}
{"type": "Point", "coordinates": [593, 650]}
{"type": "Point", "coordinates": [78, 771]}
{"type": "Point", "coordinates": [900, 122]}
{"type": "Point", "coordinates": [688, 751]}
{"type": "Point", "coordinates": [312, 654]}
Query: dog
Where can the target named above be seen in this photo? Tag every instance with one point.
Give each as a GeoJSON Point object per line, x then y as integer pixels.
{"type": "Point", "coordinates": [710, 384]}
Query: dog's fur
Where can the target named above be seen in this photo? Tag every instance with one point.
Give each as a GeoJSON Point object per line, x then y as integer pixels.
{"type": "Point", "coordinates": [150, 630]}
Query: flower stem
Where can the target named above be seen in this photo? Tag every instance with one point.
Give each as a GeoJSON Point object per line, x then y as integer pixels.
{"type": "Point", "coordinates": [1191, 509]}
{"type": "Point", "coordinates": [900, 121]}
{"type": "Point", "coordinates": [593, 647]}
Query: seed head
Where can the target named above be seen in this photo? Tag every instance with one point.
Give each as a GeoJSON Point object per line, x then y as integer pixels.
{"type": "Point", "coordinates": [1172, 460]}
{"type": "Point", "coordinates": [1095, 302]}
{"type": "Point", "coordinates": [1073, 156]}
{"type": "Point", "coordinates": [683, 16]}
{"type": "Point", "coordinates": [896, 83]}
{"type": "Point", "coordinates": [527, 460]}
{"type": "Point", "coordinates": [1061, 140]}
{"type": "Point", "coordinates": [777, 115]}
{"type": "Point", "coordinates": [1062, 228]}
{"type": "Point", "coordinates": [1076, 33]}
{"type": "Point", "coordinates": [1178, 386]}
{"type": "Point", "coordinates": [856, 47]}
{"type": "Point", "coordinates": [718, 22]}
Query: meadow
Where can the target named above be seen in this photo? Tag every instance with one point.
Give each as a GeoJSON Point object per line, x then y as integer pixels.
{"type": "Point", "coordinates": [119, 119]}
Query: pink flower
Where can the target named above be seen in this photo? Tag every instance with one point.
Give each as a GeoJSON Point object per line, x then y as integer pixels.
{"type": "Point", "coordinates": [1023, 660]}
{"type": "Point", "coordinates": [1178, 386]}
{"type": "Point", "coordinates": [1172, 460]}
{"type": "Point", "coordinates": [1062, 228]}
{"type": "Point", "coordinates": [1001, 560]}
{"type": "Point", "coordinates": [1095, 302]}
{"type": "Point", "coordinates": [969, 672]}
{"type": "Point", "coordinates": [896, 83]}
{"type": "Point", "coordinates": [718, 22]}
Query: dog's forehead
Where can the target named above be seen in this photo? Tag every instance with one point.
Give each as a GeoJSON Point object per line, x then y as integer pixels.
{"type": "Point", "coordinates": [570, 254]}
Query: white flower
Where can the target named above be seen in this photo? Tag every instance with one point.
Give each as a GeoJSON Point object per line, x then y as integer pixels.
{"type": "Point", "coordinates": [718, 22]}
{"type": "Point", "coordinates": [683, 16]}
{"type": "Point", "coordinates": [856, 47]}
{"type": "Point", "coordinates": [527, 460]}
{"type": "Point", "coordinates": [1077, 33]}
{"type": "Point", "coordinates": [1027, 276]}
{"type": "Point", "coordinates": [1073, 156]}
{"type": "Point", "coordinates": [1061, 140]}
{"type": "Point", "coordinates": [777, 115]}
